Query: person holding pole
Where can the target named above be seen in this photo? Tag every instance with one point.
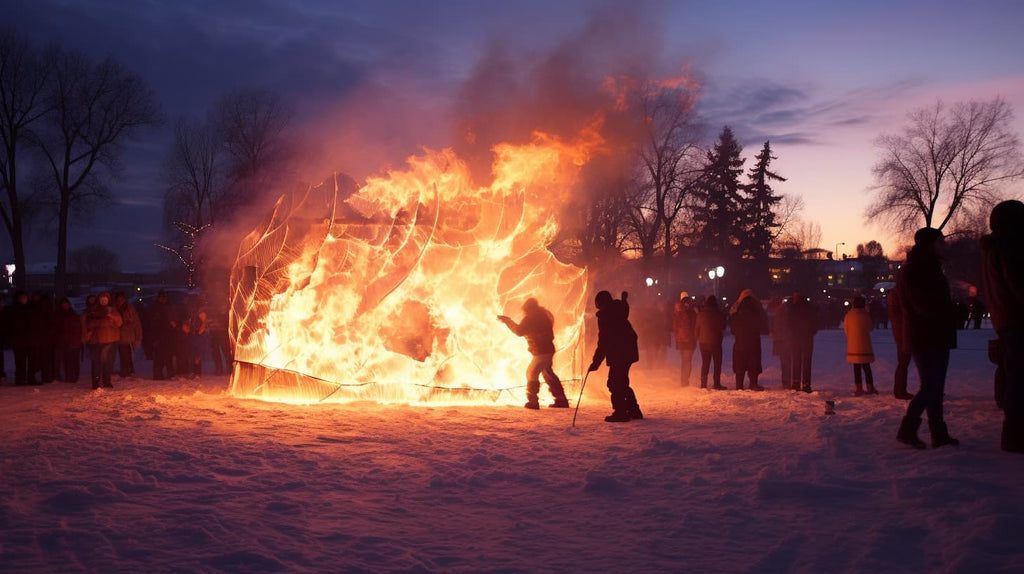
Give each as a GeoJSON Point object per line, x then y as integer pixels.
{"type": "Point", "coordinates": [616, 343]}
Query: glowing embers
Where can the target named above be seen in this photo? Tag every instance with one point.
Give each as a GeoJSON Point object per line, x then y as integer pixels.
{"type": "Point", "coordinates": [390, 292]}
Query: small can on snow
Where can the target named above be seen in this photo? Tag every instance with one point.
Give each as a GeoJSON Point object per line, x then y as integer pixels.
{"type": "Point", "coordinates": [830, 407]}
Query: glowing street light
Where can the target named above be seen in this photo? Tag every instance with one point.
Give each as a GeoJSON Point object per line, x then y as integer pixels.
{"type": "Point", "coordinates": [716, 274]}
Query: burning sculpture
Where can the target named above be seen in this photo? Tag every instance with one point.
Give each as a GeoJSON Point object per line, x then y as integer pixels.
{"type": "Point", "coordinates": [390, 292]}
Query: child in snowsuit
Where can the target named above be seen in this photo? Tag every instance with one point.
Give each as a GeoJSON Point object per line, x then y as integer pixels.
{"type": "Point", "coordinates": [857, 325]}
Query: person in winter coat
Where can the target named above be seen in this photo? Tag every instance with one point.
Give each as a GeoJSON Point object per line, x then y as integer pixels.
{"type": "Point", "coordinates": [41, 335]}
{"type": "Point", "coordinates": [857, 326]}
{"type": "Point", "coordinates": [163, 325]}
{"type": "Point", "coordinates": [899, 386]}
{"type": "Point", "coordinates": [131, 336]}
{"type": "Point", "coordinates": [684, 323]}
{"type": "Point", "coordinates": [3, 340]}
{"type": "Point", "coordinates": [69, 341]}
{"type": "Point", "coordinates": [780, 341]}
{"type": "Point", "coordinates": [709, 332]}
{"type": "Point", "coordinates": [103, 331]}
{"type": "Point", "coordinates": [801, 325]}
{"type": "Point", "coordinates": [19, 321]}
{"type": "Point", "coordinates": [748, 322]}
{"type": "Point", "coordinates": [197, 341]}
{"type": "Point", "coordinates": [616, 343]}
{"type": "Point", "coordinates": [929, 325]}
{"type": "Point", "coordinates": [1003, 286]}
{"type": "Point", "coordinates": [538, 327]}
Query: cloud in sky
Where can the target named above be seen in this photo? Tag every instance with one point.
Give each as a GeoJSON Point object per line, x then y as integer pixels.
{"type": "Point", "coordinates": [819, 80]}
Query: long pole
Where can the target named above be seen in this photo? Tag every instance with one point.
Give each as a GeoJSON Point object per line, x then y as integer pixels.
{"type": "Point", "coordinates": [580, 398]}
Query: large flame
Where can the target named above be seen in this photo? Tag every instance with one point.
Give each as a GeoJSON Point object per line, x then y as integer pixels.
{"type": "Point", "coordinates": [391, 293]}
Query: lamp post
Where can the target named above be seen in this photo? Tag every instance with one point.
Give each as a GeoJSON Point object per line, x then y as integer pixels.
{"type": "Point", "coordinates": [837, 249]}
{"type": "Point", "coordinates": [715, 274]}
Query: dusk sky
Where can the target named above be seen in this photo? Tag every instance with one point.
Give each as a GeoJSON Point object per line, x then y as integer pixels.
{"type": "Point", "coordinates": [820, 80]}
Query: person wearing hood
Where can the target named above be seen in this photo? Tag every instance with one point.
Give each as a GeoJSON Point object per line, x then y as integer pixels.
{"type": "Point", "coordinates": [617, 344]}
{"type": "Point", "coordinates": [103, 331]}
{"type": "Point", "coordinates": [857, 326]}
{"type": "Point", "coordinates": [748, 321]}
{"type": "Point", "coordinates": [709, 332]}
{"type": "Point", "coordinates": [684, 322]}
{"type": "Point", "coordinates": [929, 328]}
{"type": "Point", "coordinates": [1003, 287]}
{"type": "Point", "coordinates": [538, 327]}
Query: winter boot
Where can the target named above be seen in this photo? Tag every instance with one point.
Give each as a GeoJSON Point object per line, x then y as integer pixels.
{"type": "Point", "coordinates": [807, 388]}
{"type": "Point", "coordinates": [754, 386]}
{"type": "Point", "coordinates": [632, 407]}
{"type": "Point", "coordinates": [739, 384]}
{"type": "Point", "coordinates": [940, 434]}
{"type": "Point", "coordinates": [618, 417]}
{"type": "Point", "coordinates": [561, 403]}
{"type": "Point", "coordinates": [704, 384]}
{"type": "Point", "coordinates": [858, 391]}
{"type": "Point", "coordinates": [532, 388]}
{"type": "Point", "coordinates": [908, 432]}
{"type": "Point", "coordinates": [871, 390]}
{"type": "Point", "coordinates": [903, 395]}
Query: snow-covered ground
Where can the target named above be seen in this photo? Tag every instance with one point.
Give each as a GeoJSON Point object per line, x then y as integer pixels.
{"type": "Point", "coordinates": [179, 477]}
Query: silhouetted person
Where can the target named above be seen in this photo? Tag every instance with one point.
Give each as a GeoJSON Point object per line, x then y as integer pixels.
{"type": "Point", "coordinates": [684, 322]}
{"type": "Point", "coordinates": [103, 331]}
{"type": "Point", "coordinates": [930, 324]}
{"type": "Point", "coordinates": [1003, 284]}
{"type": "Point", "coordinates": [3, 340]}
{"type": "Point", "coordinates": [899, 386]}
{"type": "Point", "coordinates": [857, 326]}
{"type": "Point", "coordinates": [538, 327]}
{"type": "Point", "coordinates": [220, 344]}
{"type": "Point", "coordinates": [709, 331]}
{"type": "Point", "coordinates": [41, 334]}
{"type": "Point", "coordinates": [69, 341]}
{"type": "Point", "coordinates": [747, 321]}
{"type": "Point", "coordinates": [780, 342]}
{"type": "Point", "coordinates": [163, 321]}
{"type": "Point", "coordinates": [801, 325]}
{"type": "Point", "coordinates": [130, 338]}
{"type": "Point", "coordinates": [616, 343]}
{"type": "Point", "coordinates": [19, 321]}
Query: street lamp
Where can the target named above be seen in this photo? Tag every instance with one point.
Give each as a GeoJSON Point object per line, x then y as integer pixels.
{"type": "Point", "coordinates": [837, 249]}
{"type": "Point", "coordinates": [715, 274]}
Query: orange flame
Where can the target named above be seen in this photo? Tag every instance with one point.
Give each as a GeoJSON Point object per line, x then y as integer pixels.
{"type": "Point", "coordinates": [391, 293]}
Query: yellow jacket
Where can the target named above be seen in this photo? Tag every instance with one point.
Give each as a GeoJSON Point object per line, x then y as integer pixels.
{"type": "Point", "coordinates": [857, 325]}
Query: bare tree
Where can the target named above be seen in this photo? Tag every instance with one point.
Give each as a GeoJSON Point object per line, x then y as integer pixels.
{"type": "Point", "coordinates": [23, 79]}
{"type": "Point", "coordinates": [798, 237]}
{"type": "Point", "coordinates": [668, 161]}
{"type": "Point", "coordinates": [194, 174]}
{"type": "Point", "coordinates": [870, 249]}
{"type": "Point", "coordinates": [94, 259]}
{"type": "Point", "coordinates": [945, 164]}
{"type": "Point", "coordinates": [94, 109]}
{"type": "Point", "coordinates": [251, 126]}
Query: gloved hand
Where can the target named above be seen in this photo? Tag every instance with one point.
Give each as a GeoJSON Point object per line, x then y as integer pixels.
{"type": "Point", "coordinates": [594, 366]}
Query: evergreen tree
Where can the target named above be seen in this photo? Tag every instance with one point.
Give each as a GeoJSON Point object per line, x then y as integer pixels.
{"type": "Point", "coordinates": [760, 202]}
{"type": "Point", "coordinates": [720, 206]}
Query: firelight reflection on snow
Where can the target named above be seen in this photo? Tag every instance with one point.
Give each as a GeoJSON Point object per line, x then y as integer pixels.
{"type": "Point", "coordinates": [390, 292]}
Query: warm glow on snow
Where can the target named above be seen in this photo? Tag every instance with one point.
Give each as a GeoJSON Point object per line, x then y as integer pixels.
{"type": "Point", "coordinates": [391, 293]}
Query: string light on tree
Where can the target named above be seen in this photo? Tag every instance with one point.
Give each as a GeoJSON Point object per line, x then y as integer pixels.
{"type": "Point", "coordinates": [187, 252]}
